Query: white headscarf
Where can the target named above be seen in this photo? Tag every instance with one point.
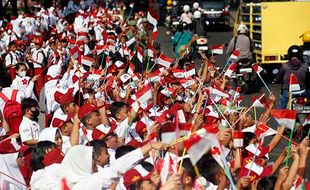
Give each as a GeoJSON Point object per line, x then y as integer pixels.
{"type": "Point", "coordinates": [8, 166]}
{"type": "Point", "coordinates": [48, 134]}
{"type": "Point", "coordinates": [77, 164]}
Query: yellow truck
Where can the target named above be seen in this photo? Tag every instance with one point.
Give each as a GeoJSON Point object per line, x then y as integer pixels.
{"type": "Point", "coordinates": [274, 27]}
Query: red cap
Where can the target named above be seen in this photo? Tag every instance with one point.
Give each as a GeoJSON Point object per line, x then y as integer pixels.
{"type": "Point", "coordinates": [59, 122]}
{"type": "Point", "coordinates": [63, 99]}
{"type": "Point", "coordinates": [140, 128]}
{"type": "Point", "coordinates": [134, 175]}
{"type": "Point", "coordinates": [88, 108]}
{"type": "Point", "coordinates": [52, 157]}
{"type": "Point", "coordinates": [102, 131]}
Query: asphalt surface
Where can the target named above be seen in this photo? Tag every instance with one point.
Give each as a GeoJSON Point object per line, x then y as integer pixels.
{"type": "Point", "coordinates": [217, 36]}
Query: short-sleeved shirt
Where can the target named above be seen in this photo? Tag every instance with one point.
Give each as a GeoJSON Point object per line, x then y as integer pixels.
{"type": "Point", "coordinates": [38, 56]}
{"type": "Point", "coordinates": [29, 129]}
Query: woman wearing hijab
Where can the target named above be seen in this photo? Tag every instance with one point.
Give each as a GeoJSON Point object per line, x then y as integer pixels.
{"type": "Point", "coordinates": [80, 170]}
{"type": "Point", "coordinates": [10, 175]}
{"type": "Point", "coordinates": [53, 135]}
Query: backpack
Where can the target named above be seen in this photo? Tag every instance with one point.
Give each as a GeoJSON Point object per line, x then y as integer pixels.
{"type": "Point", "coordinates": [12, 111]}
{"type": "Point", "coordinates": [45, 58]}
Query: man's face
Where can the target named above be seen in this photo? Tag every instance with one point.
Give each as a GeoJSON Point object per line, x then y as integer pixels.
{"type": "Point", "coordinates": [95, 119]}
{"type": "Point", "coordinates": [13, 48]}
{"type": "Point", "coordinates": [114, 142]}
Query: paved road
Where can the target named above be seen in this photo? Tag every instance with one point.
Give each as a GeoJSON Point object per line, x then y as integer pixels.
{"type": "Point", "coordinates": [217, 37]}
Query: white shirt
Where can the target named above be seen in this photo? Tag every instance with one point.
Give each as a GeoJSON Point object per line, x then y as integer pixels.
{"type": "Point", "coordinates": [66, 145]}
{"type": "Point", "coordinates": [29, 129]}
{"type": "Point", "coordinates": [8, 59]}
{"type": "Point", "coordinates": [112, 155]}
{"type": "Point", "coordinates": [25, 85]}
{"type": "Point", "coordinates": [112, 173]}
{"type": "Point", "coordinates": [186, 17]}
{"type": "Point", "coordinates": [38, 57]}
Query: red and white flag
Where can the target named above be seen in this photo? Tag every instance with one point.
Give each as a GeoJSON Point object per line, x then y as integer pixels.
{"type": "Point", "coordinates": [231, 69]}
{"type": "Point", "coordinates": [152, 17]}
{"type": "Point", "coordinates": [88, 61]}
{"type": "Point", "coordinates": [285, 118]}
{"type": "Point", "coordinates": [257, 68]}
{"type": "Point", "coordinates": [262, 130]}
{"type": "Point", "coordinates": [131, 69]}
{"type": "Point", "coordinates": [217, 49]}
{"type": "Point", "coordinates": [74, 52]}
{"type": "Point", "coordinates": [190, 70]}
{"type": "Point", "coordinates": [294, 85]}
{"type": "Point", "coordinates": [200, 143]}
{"type": "Point", "coordinates": [154, 33]}
{"type": "Point", "coordinates": [71, 43]}
{"type": "Point", "coordinates": [235, 54]}
{"type": "Point", "coordinates": [307, 121]}
{"type": "Point", "coordinates": [145, 93]}
{"type": "Point", "coordinates": [178, 73]}
{"type": "Point", "coordinates": [164, 60]}
{"type": "Point", "coordinates": [217, 93]}
{"type": "Point", "coordinates": [150, 50]}
{"type": "Point", "coordinates": [140, 53]}
{"type": "Point", "coordinates": [81, 35]}
{"type": "Point", "coordinates": [99, 49]}
{"type": "Point", "coordinates": [262, 102]}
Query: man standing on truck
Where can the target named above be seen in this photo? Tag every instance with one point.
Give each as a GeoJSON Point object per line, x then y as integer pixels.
{"type": "Point", "coordinates": [299, 69]}
{"type": "Point", "coordinates": [241, 42]}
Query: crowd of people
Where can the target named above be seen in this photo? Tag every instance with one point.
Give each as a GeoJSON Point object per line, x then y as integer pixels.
{"type": "Point", "coordinates": [96, 104]}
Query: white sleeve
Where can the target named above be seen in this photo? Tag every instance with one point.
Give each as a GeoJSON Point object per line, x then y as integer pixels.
{"type": "Point", "coordinates": [29, 88]}
{"type": "Point", "coordinates": [128, 161]}
{"type": "Point", "coordinates": [25, 132]}
{"type": "Point", "coordinates": [108, 175]}
{"type": "Point", "coordinates": [39, 57]}
{"type": "Point", "coordinates": [8, 60]}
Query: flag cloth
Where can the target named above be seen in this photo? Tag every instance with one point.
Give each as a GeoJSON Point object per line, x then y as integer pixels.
{"type": "Point", "coordinates": [164, 60]}
{"type": "Point", "coordinates": [294, 85]}
{"type": "Point", "coordinates": [140, 53]}
{"type": "Point", "coordinates": [152, 17]}
{"type": "Point", "coordinates": [74, 52]}
{"type": "Point", "coordinates": [131, 69]}
{"type": "Point", "coordinates": [257, 68]}
{"type": "Point", "coordinates": [198, 144]}
{"type": "Point", "coordinates": [150, 50]}
{"type": "Point", "coordinates": [262, 130]}
{"type": "Point", "coordinates": [285, 117]}
{"type": "Point", "coordinates": [307, 121]}
{"type": "Point", "coordinates": [154, 33]}
{"type": "Point", "coordinates": [235, 54]}
{"type": "Point", "coordinates": [261, 102]}
{"type": "Point", "coordinates": [217, 49]}
{"type": "Point", "coordinates": [231, 69]}
{"type": "Point", "coordinates": [145, 93]}
{"type": "Point", "coordinates": [88, 61]}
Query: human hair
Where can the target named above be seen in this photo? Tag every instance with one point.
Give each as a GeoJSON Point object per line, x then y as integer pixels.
{"type": "Point", "coordinates": [247, 137]}
{"type": "Point", "coordinates": [209, 168]}
{"type": "Point", "coordinates": [116, 107]}
{"type": "Point", "coordinates": [28, 103]}
{"type": "Point", "coordinates": [38, 153]}
{"type": "Point", "coordinates": [189, 168]}
{"type": "Point", "coordinates": [122, 150]}
{"type": "Point", "coordinates": [98, 146]}
{"type": "Point", "coordinates": [19, 65]}
{"type": "Point", "coordinates": [267, 183]}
